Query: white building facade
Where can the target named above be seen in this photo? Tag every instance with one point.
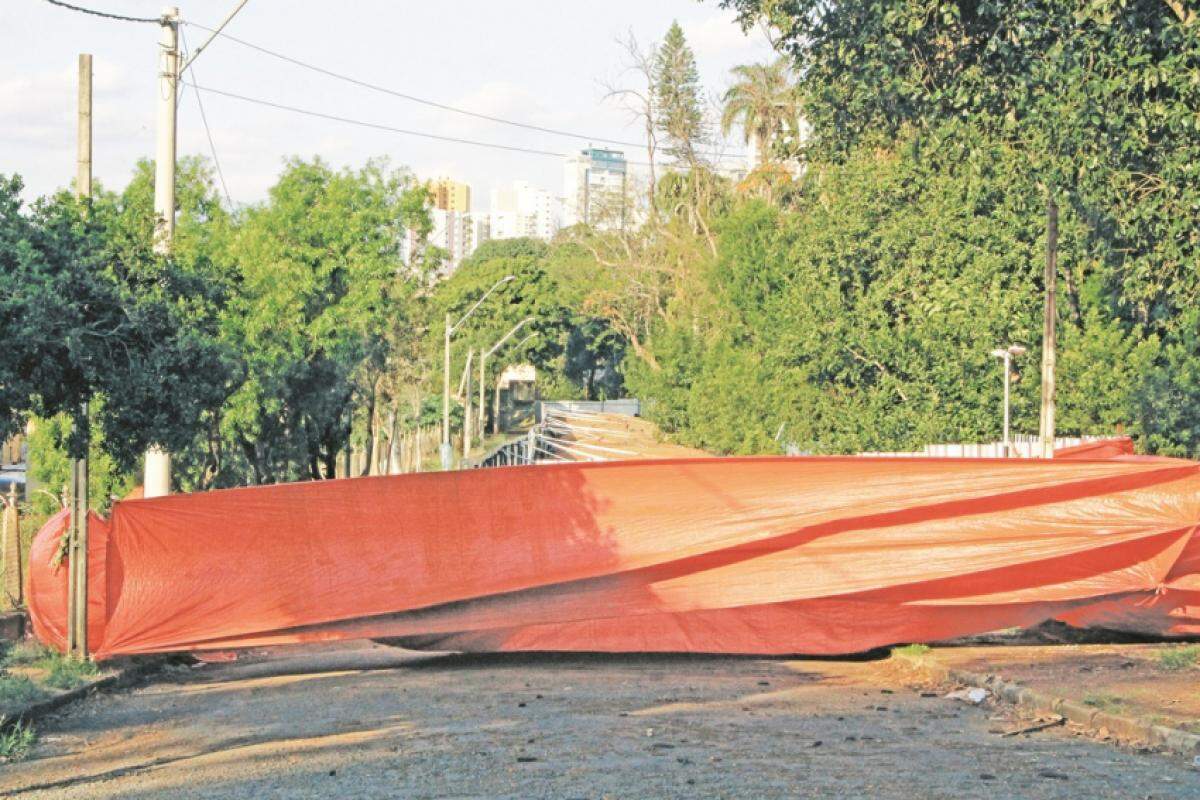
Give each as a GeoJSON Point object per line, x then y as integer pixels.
{"type": "Point", "coordinates": [524, 210]}
{"type": "Point", "coordinates": [596, 189]}
{"type": "Point", "coordinates": [455, 233]}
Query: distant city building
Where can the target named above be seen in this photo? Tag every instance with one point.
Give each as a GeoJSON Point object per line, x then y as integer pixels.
{"type": "Point", "coordinates": [523, 210]}
{"type": "Point", "coordinates": [450, 195]}
{"type": "Point", "coordinates": [595, 189]}
{"type": "Point", "coordinates": [454, 233]}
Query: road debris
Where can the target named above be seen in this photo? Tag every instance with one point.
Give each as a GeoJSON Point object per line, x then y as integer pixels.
{"type": "Point", "coordinates": [973, 695]}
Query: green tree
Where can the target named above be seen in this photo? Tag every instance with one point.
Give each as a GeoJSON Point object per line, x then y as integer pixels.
{"type": "Point", "coordinates": [320, 282]}
{"type": "Point", "coordinates": [764, 103]}
{"type": "Point", "coordinates": [86, 318]}
{"type": "Point", "coordinates": [678, 100]}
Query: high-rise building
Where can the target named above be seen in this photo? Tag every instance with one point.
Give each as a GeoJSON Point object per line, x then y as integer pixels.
{"type": "Point", "coordinates": [450, 195]}
{"type": "Point", "coordinates": [523, 210]}
{"type": "Point", "coordinates": [595, 189]}
{"type": "Point", "coordinates": [454, 233]}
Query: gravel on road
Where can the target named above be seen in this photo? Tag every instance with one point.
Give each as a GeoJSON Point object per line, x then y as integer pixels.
{"type": "Point", "coordinates": [374, 722]}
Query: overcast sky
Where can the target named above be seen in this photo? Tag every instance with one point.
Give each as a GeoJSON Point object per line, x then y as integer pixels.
{"type": "Point", "coordinates": [544, 62]}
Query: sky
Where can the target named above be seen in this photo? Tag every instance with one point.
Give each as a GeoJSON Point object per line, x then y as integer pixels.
{"type": "Point", "coordinates": [543, 62]}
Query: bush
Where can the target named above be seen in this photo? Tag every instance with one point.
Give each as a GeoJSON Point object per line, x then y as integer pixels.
{"type": "Point", "coordinates": [1179, 658]}
{"type": "Point", "coordinates": [67, 673]}
{"type": "Point", "coordinates": [18, 690]}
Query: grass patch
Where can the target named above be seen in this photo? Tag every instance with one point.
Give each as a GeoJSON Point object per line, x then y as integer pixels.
{"type": "Point", "coordinates": [15, 740]}
{"type": "Point", "coordinates": [62, 672]}
{"type": "Point", "coordinates": [28, 653]}
{"type": "Point", "coordinates": [67, 673]}
{"type": "Point", "coordinates": [18, 690]}
{"type": "Point", "coordinates": [1104, 701]}
{"type": "Point", "coordinates": [1177, 658]}
{"type": "Point", "coordinates": [913, 652]}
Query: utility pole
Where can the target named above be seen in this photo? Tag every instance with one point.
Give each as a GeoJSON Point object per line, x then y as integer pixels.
{"type": "Point", "coordinates": [77, 537]}
{"type": "Point", "coordinates": [1049, 328]}
{"type": "Point", "coordinates": [447, 454]}
{"type": "Point", "coordinates": [157, 478]}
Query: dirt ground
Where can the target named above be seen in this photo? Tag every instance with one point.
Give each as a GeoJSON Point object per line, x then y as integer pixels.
{"type": "Point", "coordinates": [1137, 680]}
{"type": "Point", "coordinates": [370, 721]}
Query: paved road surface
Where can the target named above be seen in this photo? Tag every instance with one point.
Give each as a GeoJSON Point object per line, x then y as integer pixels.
{"type": "Point", "coordinates": [379, 723]}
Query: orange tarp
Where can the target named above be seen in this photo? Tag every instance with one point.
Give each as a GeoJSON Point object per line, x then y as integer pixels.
{"type": "Point", "coordinates": [737, 555]}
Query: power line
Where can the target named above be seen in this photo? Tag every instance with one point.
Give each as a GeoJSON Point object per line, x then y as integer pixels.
{"type": "Point", "coordinates": [207, 131]}
{"type": "Point", "coordinates": [423, 101]}
{"type": "Point", "coordinates": [374, 125]}
{"type": "Point", "coordinates": [104, 14]}
{"type": "Point", "coordinates": [389, 128]}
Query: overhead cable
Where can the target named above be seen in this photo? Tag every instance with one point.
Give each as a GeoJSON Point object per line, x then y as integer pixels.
{"type": "Point", "coordinates": [421, 100]}
{"type": "Point", "coordinates": [208, 131]}
{"type": "Point", "coordinates": [104, 14]}
{"type": "Point", "coordinates": [389, 128]}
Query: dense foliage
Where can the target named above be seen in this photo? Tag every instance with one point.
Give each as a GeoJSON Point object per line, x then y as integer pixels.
{"type": "Point", "coordinates": [843, 296]}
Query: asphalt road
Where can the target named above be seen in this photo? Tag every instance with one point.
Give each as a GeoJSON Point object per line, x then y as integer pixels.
{"type": "Point", "coordinates": [378, 723]}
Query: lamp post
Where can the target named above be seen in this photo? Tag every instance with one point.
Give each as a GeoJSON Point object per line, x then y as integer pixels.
{"type": "Point", "coordinates": [496, 396]}
{"type": "Point", "coordinates": [483, 357]}
{"type": "Point", "coordinates": [1006, 355]}
{"type": "Point", "coordinates": [447, 452]}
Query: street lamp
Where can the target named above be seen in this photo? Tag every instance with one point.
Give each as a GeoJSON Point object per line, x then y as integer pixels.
{"type": "Point", "coordinates": [447, 452]}
{"type": "Point", "coordinates": [496, 396]}
{"type": "Point", "coordinates": [483, 357]}
{"type": "Point", "coordinates": [1007, 354]}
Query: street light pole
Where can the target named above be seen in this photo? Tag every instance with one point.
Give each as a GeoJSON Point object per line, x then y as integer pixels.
{"type": "Point", "coordinates": [1006, 356]}
{"type": "Point", "coordinates": [446, 451]}
{"type": "Point", "coordinates": [483, 357]}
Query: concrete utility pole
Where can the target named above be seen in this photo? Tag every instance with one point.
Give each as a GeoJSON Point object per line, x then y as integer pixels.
{"type": "Point", "coordinates": [1049, 329]}
{"type": "Point", "coordinates": [157, 477]}
{"type": "Point", "coordinates": [77, 537]}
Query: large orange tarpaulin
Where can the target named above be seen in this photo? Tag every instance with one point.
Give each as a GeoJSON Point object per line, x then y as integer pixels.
{"type": "Point", "coordinates": [738, 555]}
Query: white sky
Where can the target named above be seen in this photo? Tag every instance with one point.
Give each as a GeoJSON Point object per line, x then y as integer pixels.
{"type": "Point", "coordinates": [539, 61]}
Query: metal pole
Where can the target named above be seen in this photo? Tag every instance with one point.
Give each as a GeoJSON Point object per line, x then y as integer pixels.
{"type": "Point", "coordinates": [79, 517]}
{"type": "Point", "coordinates": [467, 408]}
{"type": "Point", "coordinates": [157, 474]}
{"type": "Point", "coordinates": [446, 452]}
{"type": "Point", "coordinates": [1049, 329]}
{"type": "Point", "coordinates": [482, 395]}
{"type": "Point", "coordinates": [1007, 373]}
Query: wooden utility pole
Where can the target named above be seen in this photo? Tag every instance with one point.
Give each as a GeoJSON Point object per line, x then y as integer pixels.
{"type": "Point", "coordinates": [77, 537]}
{"type": "Point", "coordinates": [157, 474]}
{"type": "Point", "coordinates": [1049, 328]}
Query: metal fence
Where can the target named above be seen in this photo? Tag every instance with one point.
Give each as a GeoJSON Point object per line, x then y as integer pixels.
{"type": "Point", "coordinates": [565, 432]}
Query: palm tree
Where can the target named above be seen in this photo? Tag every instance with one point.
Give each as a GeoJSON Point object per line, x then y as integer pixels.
{"type": "Point", "coordinates": [764, 102]}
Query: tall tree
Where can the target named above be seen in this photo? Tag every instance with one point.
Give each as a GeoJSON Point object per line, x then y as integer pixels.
{"type": "Point", "coordinates": [678, 98]}
{"type": "Point", "coordinates": [320, 281]}
{"type": "Point", "coordinates": [765, 103]}
{"type": "Point", "coordinates": [85, 318]}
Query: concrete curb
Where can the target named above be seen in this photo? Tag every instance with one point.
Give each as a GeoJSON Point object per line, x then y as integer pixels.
{"type": "Point", "coordinates": [1093, 719]}
{"type": "Point", "coordinates": [120, 679]}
